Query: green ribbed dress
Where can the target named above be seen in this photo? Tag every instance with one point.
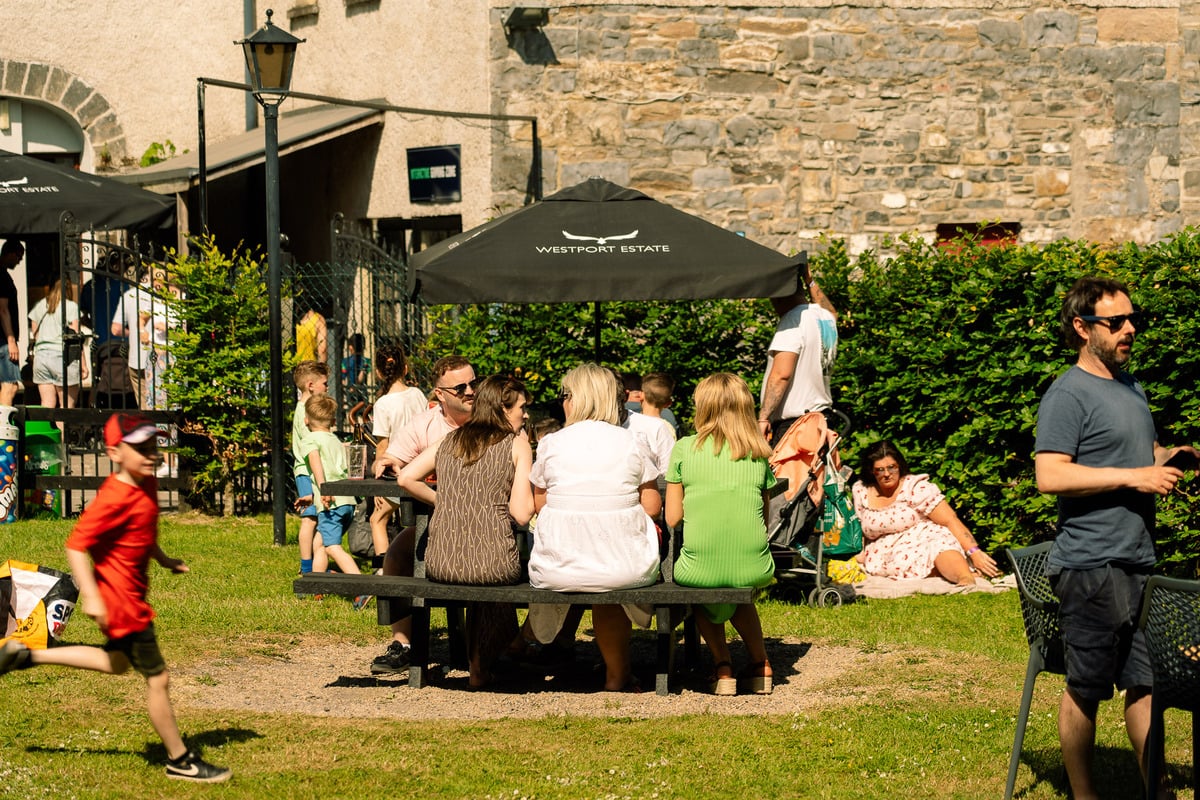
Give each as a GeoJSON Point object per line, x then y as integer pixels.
{"type": "Point", "coordinates": [725, 536]}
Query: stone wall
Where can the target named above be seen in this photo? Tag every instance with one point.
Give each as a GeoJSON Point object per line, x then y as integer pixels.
{"type": "Point", "coordinates": [794, 118]}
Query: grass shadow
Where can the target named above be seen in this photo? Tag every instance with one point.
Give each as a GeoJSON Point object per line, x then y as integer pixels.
{"type": "Point", "coordinates": [154, 752]}
{"type": "Point", "coordinates": [1114, 771]}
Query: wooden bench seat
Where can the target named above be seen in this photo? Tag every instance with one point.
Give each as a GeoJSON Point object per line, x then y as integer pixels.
{"type": "Point", "coordinates": [670, 601]}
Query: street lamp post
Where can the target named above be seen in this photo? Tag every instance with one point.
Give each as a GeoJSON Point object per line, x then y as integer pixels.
{"type": "Point", "coordinates": [270, 54]}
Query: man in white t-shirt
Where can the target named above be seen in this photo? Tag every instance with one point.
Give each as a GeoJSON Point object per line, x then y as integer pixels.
{"type": "Point", "coordinates": [799, 359]}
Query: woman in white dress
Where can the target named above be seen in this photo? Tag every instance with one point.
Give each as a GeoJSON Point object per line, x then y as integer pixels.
{"type": "Point", "coordinates": [595, 492]}
{"type": "Point", "coordinates": [46, 331]}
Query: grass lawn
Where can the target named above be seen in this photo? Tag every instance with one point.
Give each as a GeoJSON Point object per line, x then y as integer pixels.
{"type": "Point", "coordinates": [940, 727]}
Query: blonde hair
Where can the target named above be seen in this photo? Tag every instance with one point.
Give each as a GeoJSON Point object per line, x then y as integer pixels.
{"type": "Point", "coordinates": [320, 408]}
{"type": "Point", "coordinates": [307, 371]}
{"type": "Point", "coordinates": [55, 295]}
{"type": "Point", "coordinates": [725, 414]}
{"type": "Point", "coordinates": [593, 391]}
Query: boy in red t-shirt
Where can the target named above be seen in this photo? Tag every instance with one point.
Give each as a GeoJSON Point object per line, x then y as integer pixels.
{"type": "Point", "coordinates": [109, 553]}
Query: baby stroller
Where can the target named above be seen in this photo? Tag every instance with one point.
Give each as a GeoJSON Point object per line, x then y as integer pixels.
{"type": "Point", "coordinates": [812, 520]}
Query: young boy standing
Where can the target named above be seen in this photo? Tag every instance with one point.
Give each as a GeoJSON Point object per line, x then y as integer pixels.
{"type": "Point", "coordinates": [311, 378]}
{"type": "Point", "coordinates": [326, 460]}
{"type": "Point", "coordinates": [656, 399]}
{"type": "Point", "coordinates": [109, 553]}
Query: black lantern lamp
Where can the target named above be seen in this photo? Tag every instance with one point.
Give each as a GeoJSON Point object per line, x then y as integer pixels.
{"type": "Point", "coordinates": [525, 20]}
{"type": "Point", "coordinates": [270, 54]}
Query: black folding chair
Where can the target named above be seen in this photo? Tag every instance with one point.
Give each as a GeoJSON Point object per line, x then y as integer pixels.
{"type": "Point", "coordinates": [1171, 622]}
{"type": "Point", "coordinates": [1039, 611]}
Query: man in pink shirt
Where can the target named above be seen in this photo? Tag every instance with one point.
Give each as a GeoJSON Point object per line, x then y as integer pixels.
{"type": "Point", "coordinates": [454, 388]}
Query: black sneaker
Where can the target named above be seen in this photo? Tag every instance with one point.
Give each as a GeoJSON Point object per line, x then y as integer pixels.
{"type": "Point", "coordinates": [191, 767]}
{"type": "Point", "coordinates": [394, 659]}
{"type": "Point", "coordinates": [14, 655]}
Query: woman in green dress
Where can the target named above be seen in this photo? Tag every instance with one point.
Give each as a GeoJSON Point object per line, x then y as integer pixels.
{"type": "Point", "coordinates": [717, 484]}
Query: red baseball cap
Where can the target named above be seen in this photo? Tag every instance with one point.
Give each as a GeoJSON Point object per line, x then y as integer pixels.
{"type": "Point", "coordinates": [129, 428]}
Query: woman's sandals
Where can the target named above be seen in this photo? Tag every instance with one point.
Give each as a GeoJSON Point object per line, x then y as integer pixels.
{"type": "Point", "coordinates": [723, 686]}
{"type": "Point", "coordinates": [752, 683]}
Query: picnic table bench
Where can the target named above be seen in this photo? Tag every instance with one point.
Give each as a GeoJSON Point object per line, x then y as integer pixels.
{"type": "Point", "coordinates": [671, 603]}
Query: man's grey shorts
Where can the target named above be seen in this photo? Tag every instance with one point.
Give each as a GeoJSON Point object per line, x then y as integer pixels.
{"type": "Point", "coordinates": [1099, 610]}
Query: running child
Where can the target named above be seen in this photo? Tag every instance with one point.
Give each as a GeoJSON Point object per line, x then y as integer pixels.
{"type": "Point", "coordinates": [109, 553]}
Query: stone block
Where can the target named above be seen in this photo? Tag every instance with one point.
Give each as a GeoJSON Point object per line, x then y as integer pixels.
{"type": "Point", "coordinates": [90, 111]}
{"type": "Point", "coordinates": [795, 49]}
{"type": "Point", "coordinates": [661, 180]}
{"type": "Point", "coordinates": [711, 178]}
{"type": "Point", "coordinates": [561, 81]}
{"type": "Point", "coordinates": [1146, 103]}
{"type": "Point", "coordinates": [692, 133]}
{"type": "Point", "coordinates": [726, 200]}
{"type": "Point", "coordinates": [765, 197]}
{"type": "Point", "coordinates": [59, 80]}
{"type": "Point", "coordinates": [689, 158]}
{"type": "Point", "coordinates": [743, 131]}
{"type": "Point", "coordinates": [35, 83]}
{"type": "Point", "coordinates": [1115, 25]}
{"type": "Point", "coordinates": [1050, 29]}
{"type": "Point", "coordinates": [654, 113]}
{"type": "Point", "coordinates": [76, 94]}
{"type": "Point", "coordinates": [751, 52]}
{"type": "Point", "coordinates": [742, 84]}
{"type": "Point", "coordinates": [772, 26]}
{"type": "Point", "coordinates": [702, 52]}
{"type": "Point", "coordinates": [677, 29]}
{"type": "Point", "coordinates": [14, 77]}
{"type": "Point", "coordinates": [647, 55]}
{"type": "Point", "coordinates": [999, 33]}
{"type": "Point", "coordinates": [838, 131]}
{"type": "Point", "coordinates": [1051, 182]}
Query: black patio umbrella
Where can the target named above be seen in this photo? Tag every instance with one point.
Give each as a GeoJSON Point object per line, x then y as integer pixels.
{"type": "Point", "coordinates": [598, 241]}
{"type": "Point", "coordinates": [35, 193]}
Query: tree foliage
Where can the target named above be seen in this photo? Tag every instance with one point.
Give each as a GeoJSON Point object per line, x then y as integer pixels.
{"type": "Point", "coordinates": [220, 349]}
{"type": "Point", "coordinates": [945, 350]}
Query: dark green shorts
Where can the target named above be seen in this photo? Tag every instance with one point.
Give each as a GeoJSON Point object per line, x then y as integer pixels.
{"type": "Point", "coordinates": [141, 649]}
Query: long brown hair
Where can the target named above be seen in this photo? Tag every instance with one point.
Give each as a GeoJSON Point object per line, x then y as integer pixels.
{"type": "Point", "coordinates": [488, 424]}
{"type": "Point", "coordinates": [725, 414]}
{"type": "Point", "coordinates": [55, 294]}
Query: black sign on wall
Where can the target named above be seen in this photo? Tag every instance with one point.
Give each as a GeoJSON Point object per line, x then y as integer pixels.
{"type": "Point", "coordinates": [435, 174]}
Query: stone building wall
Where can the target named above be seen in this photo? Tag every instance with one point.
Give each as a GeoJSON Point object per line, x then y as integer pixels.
{"type": "Point", "coordinates": [796, 118]}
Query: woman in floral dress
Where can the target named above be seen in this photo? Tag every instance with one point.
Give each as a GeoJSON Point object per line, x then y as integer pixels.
{"type": "Point", "coordinates": [911, 531]}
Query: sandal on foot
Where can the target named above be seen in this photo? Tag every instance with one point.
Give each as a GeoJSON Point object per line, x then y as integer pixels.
{"type": "Point", "coordinates": [755, 684]}
{"type": "Point", "coordinates": [723, 687]}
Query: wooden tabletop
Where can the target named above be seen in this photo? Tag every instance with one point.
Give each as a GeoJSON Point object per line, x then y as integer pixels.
{"type": "Point", "coordinates": [364, 487]}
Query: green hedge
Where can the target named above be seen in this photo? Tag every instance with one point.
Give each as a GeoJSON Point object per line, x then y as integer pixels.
{"type": "Point", "coordinates": [947, 351]}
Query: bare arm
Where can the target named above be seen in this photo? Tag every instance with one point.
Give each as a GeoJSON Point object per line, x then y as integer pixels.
{"type": "Point", "coordinates": [412, 477]}
{"type": "Point", "coordinates": [649, 497]}
{"type": "Point", "coordinates": [89, 591]}
{"type": "Point", "coordinates": [164, 560]}
{"type": "Point", "coordinates": [783, 367]}
{"type": "Point", "coordinates": [1057, 473]}
{"type": "Point", "coordinates": [539, 499]}
{"type": "Point", "coordinates": [674, 511]}
{"type": "Point", "coordinates": [944, 515]}
{"type": "Point", "coordinates": [520, 497]}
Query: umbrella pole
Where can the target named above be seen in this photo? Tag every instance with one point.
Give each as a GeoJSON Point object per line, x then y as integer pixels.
{"type": "Point", "coordinates": [596, 323]}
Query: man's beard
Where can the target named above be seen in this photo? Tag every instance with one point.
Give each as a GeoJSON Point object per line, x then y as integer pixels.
{"type": "Point", "coordinates": [1108, 356]}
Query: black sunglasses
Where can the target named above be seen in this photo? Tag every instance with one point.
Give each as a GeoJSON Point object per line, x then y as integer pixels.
{"type": "Point", "coordinates": [1117, 321]}
{"type": "Point", "coordinates": [460, 389]}
{"type": "Point", "coordinates": [146, 448]}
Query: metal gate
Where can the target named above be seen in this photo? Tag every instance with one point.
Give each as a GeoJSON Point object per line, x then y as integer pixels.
{"type": "Point", "coordinates": [361, 298]}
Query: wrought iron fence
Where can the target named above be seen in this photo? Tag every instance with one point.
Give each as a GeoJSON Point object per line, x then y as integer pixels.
{"type": "Point", "coordinates": [344, 310]}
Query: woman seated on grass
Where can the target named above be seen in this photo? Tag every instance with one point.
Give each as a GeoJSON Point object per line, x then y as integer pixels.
{"type": "Point", "coordinates": [717, 484]}
{"type": "Point", "coordinates": [911, 531]}
{"type": "Point", "coordinates": [482, 490]}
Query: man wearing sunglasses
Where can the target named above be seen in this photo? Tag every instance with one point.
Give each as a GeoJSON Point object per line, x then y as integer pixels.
{"type": "Point", "coordinates": [454, 389]}
{"type": "Point", "coordinates": [1097, 450]}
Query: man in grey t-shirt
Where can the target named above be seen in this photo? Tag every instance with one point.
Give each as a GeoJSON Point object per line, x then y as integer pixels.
{"type": "Point", "coordinates": [1097, 450]}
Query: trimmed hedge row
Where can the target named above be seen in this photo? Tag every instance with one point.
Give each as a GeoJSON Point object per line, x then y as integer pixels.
{"type": "Point", "coordinates": [947, 351]}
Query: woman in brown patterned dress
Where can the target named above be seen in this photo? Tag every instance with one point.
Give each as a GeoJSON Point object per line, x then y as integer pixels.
{"type": "Point", "coordinates": [482, 490]}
